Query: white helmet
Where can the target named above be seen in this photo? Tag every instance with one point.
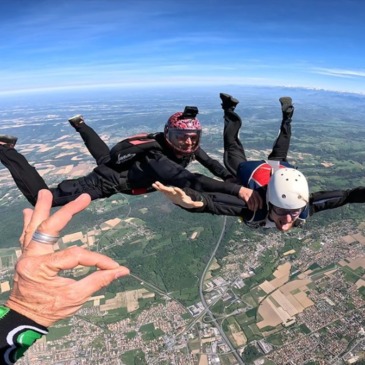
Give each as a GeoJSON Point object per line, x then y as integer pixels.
{"type": "Point", "coordinates": [288, 189]}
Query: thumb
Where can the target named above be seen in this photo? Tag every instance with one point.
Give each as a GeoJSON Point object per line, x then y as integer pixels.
{"type": "Point", "coordinates": [98, 280]}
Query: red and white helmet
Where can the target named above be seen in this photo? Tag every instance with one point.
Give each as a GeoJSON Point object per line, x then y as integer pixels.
{"type": "Point", "coordinates": [183, 132]}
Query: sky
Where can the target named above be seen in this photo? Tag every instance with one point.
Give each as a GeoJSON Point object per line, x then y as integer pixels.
{"type": "Point", "coordinates": [79, 44]}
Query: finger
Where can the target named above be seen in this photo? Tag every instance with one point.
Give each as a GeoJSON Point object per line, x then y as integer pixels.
{"type": "Point", "coordinates": [159, 186]}
{"type": "Point", "coordinates": [98, 280]}
{"type": "Point", "coordinates": [41, 212]}
{"type": "Point", "coordinates": [163, 188]}
{"type": "Point", "coordinates": [156, 185]}
{"type": "Point", "coordinates": [57, 221]}
{"type": "Point", "coordinates": [74, 256]}
{"type": "Point", "coordinates": [178, 191]}
{"type": "Point", "coordinates": [27, 215]}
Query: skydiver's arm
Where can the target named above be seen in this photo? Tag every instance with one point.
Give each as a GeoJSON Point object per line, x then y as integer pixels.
{"type": "Point", "coordinates": [178, 196]}
{"type": "Point", "coordinates": [198, 202]}
{"type": "Point", "coordinates": [17, 334]}
{"type": "Point", "coordinates": [214, 166]}
{"type": "Point", "coordinates": [323, 200]}
{"type": "Point", "coordinates": [223, 190]}
{"type": "Point", "coordinates": [219, 203]}
{"type": "Point", "coordinates": [40, 297]}
{"type": "Point", "coordinates": [170, 173]}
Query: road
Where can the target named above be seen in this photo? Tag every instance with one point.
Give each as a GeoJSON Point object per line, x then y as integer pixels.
{"type": "Point", "coordinates": [206, 306]}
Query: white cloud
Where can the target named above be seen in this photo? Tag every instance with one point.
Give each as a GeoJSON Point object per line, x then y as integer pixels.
{"type": "Point", "coordinates": [339, 72]}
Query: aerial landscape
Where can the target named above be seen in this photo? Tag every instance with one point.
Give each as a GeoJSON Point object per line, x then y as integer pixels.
{"type": "Point", "coordinates": [203, 289]}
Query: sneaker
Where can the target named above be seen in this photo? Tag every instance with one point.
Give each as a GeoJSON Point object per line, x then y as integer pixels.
{"type": "Point", "coordinates": [287, 106]}
{"type": "Point", "coordinates": [8, 141]}
{"type": "Point", "coordinates": [228, 101]}
{"type": "Point", "coordinates": [76, 120]}
{"type": "Point", "coordinates": [285, 101]}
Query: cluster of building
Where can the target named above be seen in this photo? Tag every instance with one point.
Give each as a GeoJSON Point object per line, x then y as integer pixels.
{"type": "Point", "coordinates": [333, 320]}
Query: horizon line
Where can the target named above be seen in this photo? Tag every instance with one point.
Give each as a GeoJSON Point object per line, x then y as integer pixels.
{"type": "Point", "coordinates": [161, 85]}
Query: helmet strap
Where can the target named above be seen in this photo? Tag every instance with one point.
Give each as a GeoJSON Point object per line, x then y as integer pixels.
{"type": "Point", "coordinates": [275, 165]}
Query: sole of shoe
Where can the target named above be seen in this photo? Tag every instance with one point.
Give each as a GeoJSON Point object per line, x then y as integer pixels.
{"type": "Point", "coordinates": [8, 140]}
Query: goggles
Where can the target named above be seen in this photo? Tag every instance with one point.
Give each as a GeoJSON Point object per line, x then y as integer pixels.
{"type": "Point", "coordinates": [183, 135]}
{"type": "Point", "coordinates": [294, 213]}
{"type": "Point", "coordinates": [178, 138]}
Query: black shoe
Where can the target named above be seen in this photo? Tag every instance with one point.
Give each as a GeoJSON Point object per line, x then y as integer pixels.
{"type": "Point", "coordinates": [8, 141]}
{"type": "Point", "coordinates": [286, 106]}
{"type": "Point", "coordinates": [228, 101]}
{"type": "Point", "coordinates": [76, 120]}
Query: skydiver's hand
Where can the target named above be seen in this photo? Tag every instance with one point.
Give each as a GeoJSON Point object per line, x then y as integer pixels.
{"type": "Point", "coordinates": [251, 197]}
{"type": "Point", "coordinates": [38, 292]}
{"type": "Point", "coordinates": [177, 196]}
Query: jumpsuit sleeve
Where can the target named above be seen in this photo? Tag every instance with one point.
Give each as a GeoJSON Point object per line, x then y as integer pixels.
{"type": "Point", "coordinates": [323, 200]}
{"type": "Point", "coordinates": [218, 204]}
{"type": "Point", "coordinates": [170, 173]}
{"type": "Point", "coordinates": [214, 166]}
{"type": "Point", "coordinates": [17, 334]}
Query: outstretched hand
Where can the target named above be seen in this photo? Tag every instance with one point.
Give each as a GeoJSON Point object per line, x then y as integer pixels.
{"type": "Point", "coordinates": [177, 196]}
{"type": "Point", "coordinates": [251, 197]}
{"type": "Point", "coordinates": [38, 292]}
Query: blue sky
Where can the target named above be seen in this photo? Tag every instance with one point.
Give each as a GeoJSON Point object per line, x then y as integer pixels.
{"type": "Point", "coordinates": [93, 43]}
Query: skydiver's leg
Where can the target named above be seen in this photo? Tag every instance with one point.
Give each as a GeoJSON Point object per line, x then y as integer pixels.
{"type": "Point", "coordinates": [25, 176]}
{"type": "Point", "coordinates": [234, 152]}
{"type": "Point", "coordinates": [282, 142]}
{"type": "Point", "coordinates": [95, 145]}
{"type": "Point", "coordinates": [69, 190]}
{"type": "Point", "coordinates": [29, 182]}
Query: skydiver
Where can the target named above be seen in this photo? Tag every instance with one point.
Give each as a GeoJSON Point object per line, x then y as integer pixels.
{"type": "Point", "coordinates": [283, 189]}
{"type": "Point", "coordinates": [132, 165]}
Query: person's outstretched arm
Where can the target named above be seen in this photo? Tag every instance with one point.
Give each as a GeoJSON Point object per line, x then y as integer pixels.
{"type": "Point", "coordinates": [324, 200]}
{"type": "Point", "coordinates": [39, 296]}
{"type": "Point", "coordinates": [198, 202]}
{"type": "Point", "coordinates": [214, 166]}
{"type": "Point", "coordinates": [168, 172]}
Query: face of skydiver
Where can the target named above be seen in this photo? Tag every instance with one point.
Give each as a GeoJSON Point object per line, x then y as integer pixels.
{"type": "Point", "coordinates": [183, 131]}
{"type": "Point", "coordinates": [184, 141]}
{"type": "Point", "coordinates": [284, 218]}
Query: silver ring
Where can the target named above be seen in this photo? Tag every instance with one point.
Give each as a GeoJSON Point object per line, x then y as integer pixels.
{"type": "Point", "coordinates": [44, 238]}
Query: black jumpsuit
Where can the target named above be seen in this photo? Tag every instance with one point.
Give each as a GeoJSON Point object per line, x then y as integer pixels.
{"type": "Point", "coordinates": [234, 158]}
{"type": "Point", "coordinates": [107, 178]}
